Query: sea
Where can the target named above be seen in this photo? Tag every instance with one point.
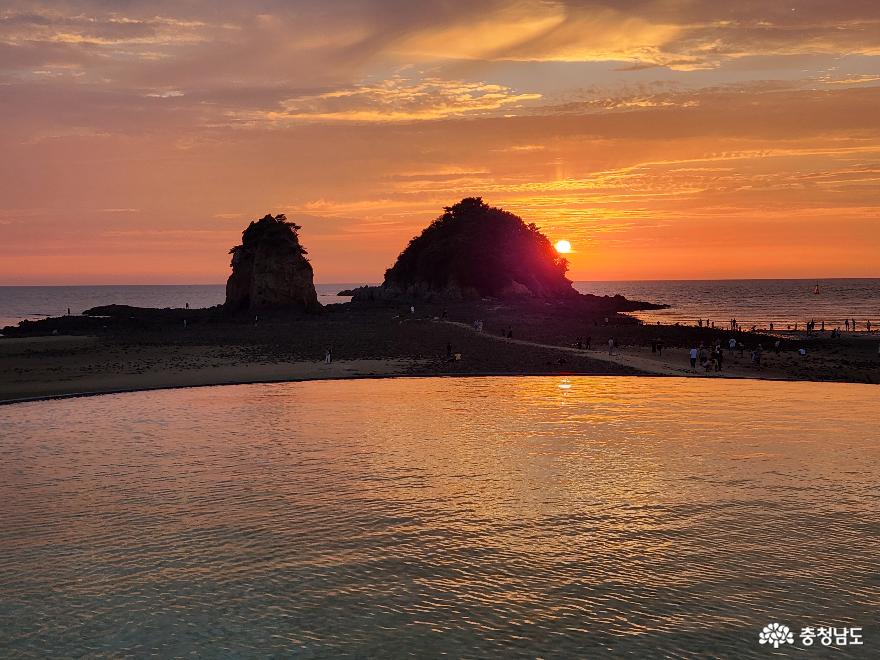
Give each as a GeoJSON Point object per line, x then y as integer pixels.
{"type": "Point", "coordinates": [523, 517]}
{"type": "Point", "coordinates": [18, 303]}
{"type": "Point", "coordinates": [751, 302]}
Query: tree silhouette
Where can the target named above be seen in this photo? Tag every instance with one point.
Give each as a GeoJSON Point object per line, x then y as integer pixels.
{"type": "Point", "coordinates": [270, 229]}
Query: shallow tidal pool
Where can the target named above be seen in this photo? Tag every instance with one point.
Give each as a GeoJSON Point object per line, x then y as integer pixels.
{"type": "Point", "coordinates": [472, 517]}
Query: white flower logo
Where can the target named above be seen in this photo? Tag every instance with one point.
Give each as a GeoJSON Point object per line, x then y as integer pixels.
{"type": "Point", "coordinates": [776, 634]}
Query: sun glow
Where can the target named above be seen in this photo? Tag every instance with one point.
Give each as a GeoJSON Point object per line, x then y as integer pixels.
{"type": "Point", "coordinates": [563, 247]}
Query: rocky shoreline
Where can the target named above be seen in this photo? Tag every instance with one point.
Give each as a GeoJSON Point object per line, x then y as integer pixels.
{"type": "Point", "coordinates": [414, 294]}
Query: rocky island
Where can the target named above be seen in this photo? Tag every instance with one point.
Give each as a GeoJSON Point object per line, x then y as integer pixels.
{"type": "Point", "coordinates": [473, 252]}
{"type": "Point", "coordinates": [270, 269]}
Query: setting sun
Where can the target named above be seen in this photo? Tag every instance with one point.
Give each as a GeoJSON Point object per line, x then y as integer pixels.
{"type": "Point", "coordinates": [563, 247]}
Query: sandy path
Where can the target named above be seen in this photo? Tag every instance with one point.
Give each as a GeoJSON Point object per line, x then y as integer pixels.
{"type": "Point", "coordinates": [674, 361]}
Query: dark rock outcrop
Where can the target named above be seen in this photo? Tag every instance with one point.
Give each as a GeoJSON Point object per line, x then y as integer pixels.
{"type": "Point", "coordinates": [473, 251]}
{"type": "Point", "coordinates": [270, 269]}
{"type": "Point", "coordinates": [391, 293]}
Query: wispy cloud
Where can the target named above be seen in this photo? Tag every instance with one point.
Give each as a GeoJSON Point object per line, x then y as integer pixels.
{"type": "Point", "coordinates": [393, 100]}
{"type": "Point", "coordinates": [651, 125]}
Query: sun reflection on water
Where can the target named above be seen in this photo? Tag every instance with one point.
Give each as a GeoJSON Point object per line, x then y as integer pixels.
{"type": "Point", "coordinates": [511, 516]}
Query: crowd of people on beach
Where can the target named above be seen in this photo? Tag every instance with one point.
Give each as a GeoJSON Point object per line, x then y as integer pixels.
{"type": "Point", "coordinates": [849, 325]}
{"type": "Point", "coordinates": [811, 326]}
{"type": "Point", "coordinates": [709, 358]}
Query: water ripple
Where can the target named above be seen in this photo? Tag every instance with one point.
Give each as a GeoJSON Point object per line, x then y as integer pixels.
{"type": "Point", "coordinates": [428, 517]}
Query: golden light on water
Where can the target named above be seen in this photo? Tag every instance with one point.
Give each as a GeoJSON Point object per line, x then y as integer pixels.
{"type": "Point", "coordinates": [563, 247]}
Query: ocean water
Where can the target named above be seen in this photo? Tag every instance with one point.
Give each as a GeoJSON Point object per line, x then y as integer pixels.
{"type": "Point", "coordinates": [752, 302]}
{"type": "Point", "coordinates": [35, 302]}
{"type": "Point", "coordinates": [757, 302]}
{"type": "Point", "coordinates": [484, 517]}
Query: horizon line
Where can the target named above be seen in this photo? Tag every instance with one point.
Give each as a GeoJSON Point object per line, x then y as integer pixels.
{"type": "Point", "coordinates": [574, 281]}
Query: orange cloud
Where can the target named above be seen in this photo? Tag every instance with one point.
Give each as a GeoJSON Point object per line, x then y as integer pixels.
{"type": "Point", "coordinates": [663, 138]}
{"type": "Point", "coordinates": [392, 100]}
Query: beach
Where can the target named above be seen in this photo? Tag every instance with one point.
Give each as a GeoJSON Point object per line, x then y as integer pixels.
{"type": "Point", "coordinates": [381, 341]}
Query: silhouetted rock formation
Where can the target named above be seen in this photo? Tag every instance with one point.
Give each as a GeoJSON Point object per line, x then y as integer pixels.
{"type": "Point", "coordinates": [270, 269]}
{"type": "Point", "coordinates": [474, 250]}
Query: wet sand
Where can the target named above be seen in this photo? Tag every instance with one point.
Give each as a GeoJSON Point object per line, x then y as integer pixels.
{"type": "Point", "coordinates": [34, 376]}
{"type": "Point", "coordinates": [383, 342]}
{"type": "Point", "coordinates": [45, 367]}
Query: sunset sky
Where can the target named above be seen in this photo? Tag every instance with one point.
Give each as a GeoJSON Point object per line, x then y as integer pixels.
{"type": "Point", "coordinates": [662, 138]}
